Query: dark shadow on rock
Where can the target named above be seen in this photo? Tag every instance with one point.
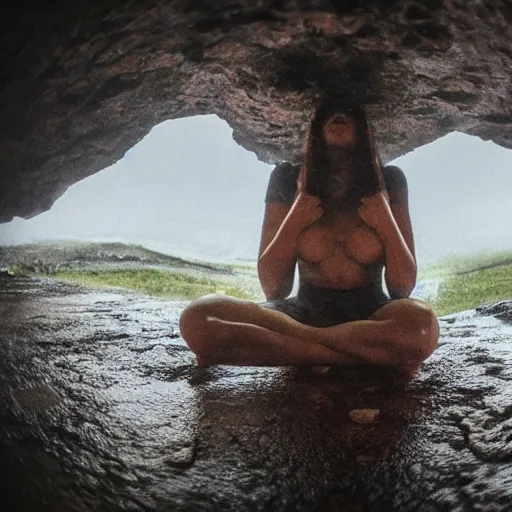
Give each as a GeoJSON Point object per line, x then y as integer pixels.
{"type": "Point", "coordinates": [501, 310]}
{"type": "Point", "coordinates": [288, 434]}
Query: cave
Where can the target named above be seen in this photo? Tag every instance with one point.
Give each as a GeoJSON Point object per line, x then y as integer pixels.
{"type": "Point", "coordinates": [101, 407]}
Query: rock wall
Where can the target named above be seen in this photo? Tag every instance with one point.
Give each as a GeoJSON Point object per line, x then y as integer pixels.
{"type": "Point", "coordinates": [82, 82]}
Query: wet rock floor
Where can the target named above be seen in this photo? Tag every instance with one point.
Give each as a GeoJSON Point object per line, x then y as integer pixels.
{"type": "Point", "coordinates": [102, 408]}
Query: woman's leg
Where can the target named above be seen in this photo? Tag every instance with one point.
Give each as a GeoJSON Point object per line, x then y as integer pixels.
{"type": "Point", "coordinates": [401, 334]}
{"type": "Point", "coordinates": [223, 330]}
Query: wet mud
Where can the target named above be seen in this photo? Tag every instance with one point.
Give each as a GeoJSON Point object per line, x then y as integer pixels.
{"type": "Point", "coordinates": [102, 408]}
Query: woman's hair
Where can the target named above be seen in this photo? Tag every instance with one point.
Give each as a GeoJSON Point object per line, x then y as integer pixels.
{"type": "Point", "coordinates": [366, 162]}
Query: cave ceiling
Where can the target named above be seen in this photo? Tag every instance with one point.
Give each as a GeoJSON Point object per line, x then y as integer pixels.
{"type": "Point", "coordinates": [82, 82]}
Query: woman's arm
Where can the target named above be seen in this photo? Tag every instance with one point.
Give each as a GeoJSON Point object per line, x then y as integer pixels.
{"type": "Point", "coordinates": [392, 223]}
{"type": "Point", "coordinates": [400, 267]}
{"type": "Point", "coordinates": [282, 226]}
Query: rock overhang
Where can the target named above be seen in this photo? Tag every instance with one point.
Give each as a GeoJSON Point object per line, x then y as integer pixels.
{"type": "Point", "coordinates": [81, 85]}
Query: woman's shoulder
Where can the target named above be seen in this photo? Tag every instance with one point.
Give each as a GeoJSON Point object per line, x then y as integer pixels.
{"type": "Point", "coordinates": [282, 185]}
{"type": "Point", "coordinates": [396, 183]}
{"type": "Point", "coordinates": [394, 177]}
{"type": "Point", "coordinates": [286, 169]}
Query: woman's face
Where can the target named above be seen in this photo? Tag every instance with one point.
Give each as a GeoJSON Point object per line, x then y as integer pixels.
{"type": "Point", "coordinates": [339, 133]}
{"type": "Point", "coordinates": [339, 130]}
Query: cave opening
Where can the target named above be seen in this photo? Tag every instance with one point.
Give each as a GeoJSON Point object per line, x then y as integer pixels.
{"type": "Point", "coordinates": [188, 191]}
{"type": "Point", "coordinates": [102, 407]}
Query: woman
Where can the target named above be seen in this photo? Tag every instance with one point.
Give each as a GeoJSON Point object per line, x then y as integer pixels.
{"type": "Point", "coordinates": [343, 220]}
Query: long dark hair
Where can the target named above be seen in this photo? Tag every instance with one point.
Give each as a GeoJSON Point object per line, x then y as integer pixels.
{"type": "Point", "coordinates": [366, 161]}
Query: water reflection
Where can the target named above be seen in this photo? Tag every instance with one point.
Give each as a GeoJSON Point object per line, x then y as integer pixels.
{"type": "Point", "coordinates": [289, 428]}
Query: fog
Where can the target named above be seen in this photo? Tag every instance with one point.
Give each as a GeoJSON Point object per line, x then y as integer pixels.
{"type": "Point", "coordinates": [188, 189]}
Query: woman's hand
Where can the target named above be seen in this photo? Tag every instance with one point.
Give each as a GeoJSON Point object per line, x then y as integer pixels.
{"type": "Point", "coordinates": [306, 209]}
{"type": "Point", "coordinates": [375, 211]}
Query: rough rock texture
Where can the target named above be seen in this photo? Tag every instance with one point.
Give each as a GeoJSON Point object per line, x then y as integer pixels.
{"type": "Point", "coordinates": [102, 408]}
{"type": "Point", "coordinates": [83, 81]}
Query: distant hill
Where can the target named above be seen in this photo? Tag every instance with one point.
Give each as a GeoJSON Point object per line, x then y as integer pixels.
{"type": "Point", "coordinates": [73, 253]}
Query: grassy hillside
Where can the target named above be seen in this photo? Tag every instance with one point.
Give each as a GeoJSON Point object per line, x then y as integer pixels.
{"type": "Point", "coordinates": [68, 253]}
{"type": "Point", "coordinates": [468, 291]}
{"type": "Point", "coordinates": [456, 265]}
{"type": "Point", "coordinates": [466, 282]}
{"type": "Point", "coordinates": [471, 281]}
{"type": "Point", "coordinates": [155, 282]}
{"type": "Point", "coordinates": [132, 267]}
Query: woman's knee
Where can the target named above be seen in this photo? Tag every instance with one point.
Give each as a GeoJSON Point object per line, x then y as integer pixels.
{"type": "Point", "coordinates": [215, 305]}
{"type": "Point", "coordinates": [425, 325]}
{"type": "Point", "coordinates": [193, 323]}
{"type": "Point", "coordinates": [196, 321]}
{"type": "Point", "coordinates": [415, 324]}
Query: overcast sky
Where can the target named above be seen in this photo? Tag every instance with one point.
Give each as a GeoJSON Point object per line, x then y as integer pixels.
{"type": "Point", "coordinates": [188, 189]}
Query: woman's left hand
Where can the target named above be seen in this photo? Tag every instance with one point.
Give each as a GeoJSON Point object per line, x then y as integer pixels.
{"type": "Point", "coordinates": [375, 211]}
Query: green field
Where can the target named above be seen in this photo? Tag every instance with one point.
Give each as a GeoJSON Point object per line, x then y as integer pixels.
{"type": "Point", "coordinates": [468, 291]}
{"type": "Point", "coordinates": [132, 267]}
{"type": "Point", "coordinates": [466, 281]}
{"type": "Point", "coordinates": [471, 281]}
{"type": "Point", "coordinates": [159, 283]}
{"type": "Point", "coordinates": [457, 265]}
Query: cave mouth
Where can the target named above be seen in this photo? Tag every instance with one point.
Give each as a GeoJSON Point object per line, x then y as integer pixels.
{"type": "Point", "coordinates": [81, 85]}
{"type": "Point", "coordinates": [102, 408]}
{"type": "Point", "coordinates": [189, 191]}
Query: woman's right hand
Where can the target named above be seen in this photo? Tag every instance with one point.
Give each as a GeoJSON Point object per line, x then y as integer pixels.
{"type": "Point", "coordinates": [306, 209]}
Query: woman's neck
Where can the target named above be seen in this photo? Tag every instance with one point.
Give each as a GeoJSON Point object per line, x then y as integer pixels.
{"type": "Point", "coordinates": [340, 158]}
{"type": "Point", "coordinates": [345, 205]}
{"type": "Point", "coordinates": [340, 180]}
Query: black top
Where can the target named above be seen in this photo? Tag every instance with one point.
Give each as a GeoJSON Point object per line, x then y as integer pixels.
{"type": "Point", "coordinates": [282, 185]}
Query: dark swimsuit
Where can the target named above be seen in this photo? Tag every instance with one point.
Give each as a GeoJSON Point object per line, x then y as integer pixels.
{"type": "Point", "coordinates": [314, 305]}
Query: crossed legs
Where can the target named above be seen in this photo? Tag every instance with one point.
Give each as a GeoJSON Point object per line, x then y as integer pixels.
{"type": "Point", "coordinates": [225, 330]}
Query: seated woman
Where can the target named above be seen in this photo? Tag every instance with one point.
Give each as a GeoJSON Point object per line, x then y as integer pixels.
{"type": "Point", "coordinates": [343, 220]}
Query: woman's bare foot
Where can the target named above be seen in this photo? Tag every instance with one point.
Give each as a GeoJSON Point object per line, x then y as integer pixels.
{"type": "Point", "coordinates": [201, 361]}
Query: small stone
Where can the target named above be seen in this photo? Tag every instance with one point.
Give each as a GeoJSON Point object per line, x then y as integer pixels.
{"type": "Point", "coordinates": [364, 416]}
{"type": "Point", "coordinates": [264, 441]}
{"type": "Point", "coordinates": [183, 457]}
